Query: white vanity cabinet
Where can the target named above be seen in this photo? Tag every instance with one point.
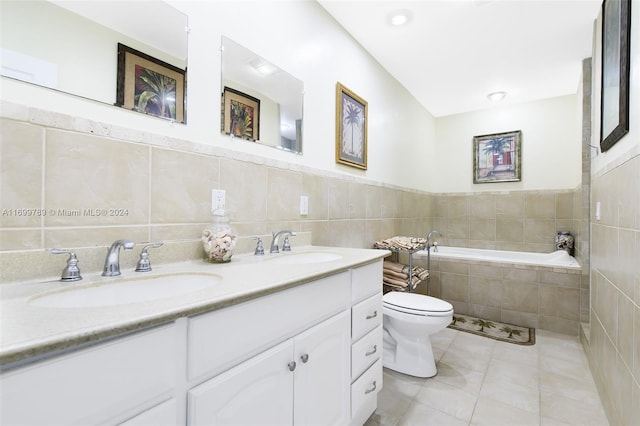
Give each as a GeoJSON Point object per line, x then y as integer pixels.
{"type": "Point", "coordinates": [303, 381]}
{"type": "Point", "coordinates": [366, 338]}
{"type": "Point", "coordinates": [328, 374]}
{"type": "Point", "coordinates": [102, 384]}
{"type": "Point", "coordinates": [305, 355]}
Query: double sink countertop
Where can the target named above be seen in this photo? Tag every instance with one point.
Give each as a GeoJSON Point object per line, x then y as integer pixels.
{"type": "Point", "coordinates": [33, 324]}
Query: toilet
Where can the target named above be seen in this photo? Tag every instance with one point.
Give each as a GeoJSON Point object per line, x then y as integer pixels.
{"type": "Point", "coordinates": [409, 320]}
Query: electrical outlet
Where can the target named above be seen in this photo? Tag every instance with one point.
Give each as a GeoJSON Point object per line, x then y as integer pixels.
{"type": "Point", "coordinates": [217, 199]}
{"type": "Point", "coordinates": [304, 205]}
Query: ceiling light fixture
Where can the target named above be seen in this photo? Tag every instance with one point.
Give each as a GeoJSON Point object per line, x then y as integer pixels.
{"type": "Point", "coordinates": [399, 17]}
{"type": "Point", "coordinates": [263, 67]}
{"type": "Point", "coordinates": [496, 96]}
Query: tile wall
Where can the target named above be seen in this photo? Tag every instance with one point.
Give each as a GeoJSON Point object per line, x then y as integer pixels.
{"type": "Point", "coordinates": [520, 221]}
{"type": "Point", "coordinates": [614, 343]}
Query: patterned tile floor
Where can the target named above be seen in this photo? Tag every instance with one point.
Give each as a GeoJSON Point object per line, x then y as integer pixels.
{"type": "Point", "coordinates": [482, 381]}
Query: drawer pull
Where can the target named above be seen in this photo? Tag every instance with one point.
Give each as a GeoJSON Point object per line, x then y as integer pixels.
{"type": "Point", "coordinates": [304, 358]}
{"type": "Point", "coordinates": [292, 365]}
{"type": "Point", "coordinates": [373, 351]}
{"type": "Point", "coordinates": [375, 314]}
{"type": "Point", "coordinates": [368, 391]}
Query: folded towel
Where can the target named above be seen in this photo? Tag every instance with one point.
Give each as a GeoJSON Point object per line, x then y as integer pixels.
{"type": "Point", "coordinates": [401, 243]}
{"type": "Point", "coordinates": [400, 268]}
{"type": "Point", "coordinates": [396, 275]}
{"type": "Point", "coordinates": [395, 282]}
{"type": "Point", "coordinates": [394, 266]}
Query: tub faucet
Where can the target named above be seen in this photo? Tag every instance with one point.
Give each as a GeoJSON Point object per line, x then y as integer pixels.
{"type": "Point", "coordinates": [112, 262]}
{"type": "Point", "coordinates": [435, 243]}
{"type": "Point", "coordinates": [276, 237]}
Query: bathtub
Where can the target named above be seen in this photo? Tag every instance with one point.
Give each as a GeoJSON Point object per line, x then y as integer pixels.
{"type": "Point", "coordinates": [539, 290]}
{"type": "Point", "coordinates": [556, 259]}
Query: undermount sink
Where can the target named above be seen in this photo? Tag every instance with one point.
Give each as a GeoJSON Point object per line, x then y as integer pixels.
{"type": "Point", "coordinates": [306, 258]}
{"type": "Point", "coordinates": [134, 290]}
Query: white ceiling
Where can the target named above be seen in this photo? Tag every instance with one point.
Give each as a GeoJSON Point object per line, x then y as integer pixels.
{"type": "Point", "coordinates": [452, 53]}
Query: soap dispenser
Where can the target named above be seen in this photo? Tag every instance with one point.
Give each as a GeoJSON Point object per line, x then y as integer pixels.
{"type": "Point", "coordinates": [219, 239]}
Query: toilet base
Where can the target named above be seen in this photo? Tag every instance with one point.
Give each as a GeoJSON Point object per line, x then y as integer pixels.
{"type": "Point", "coordinates": [412, 357]}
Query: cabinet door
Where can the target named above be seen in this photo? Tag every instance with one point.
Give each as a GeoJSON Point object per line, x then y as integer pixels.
{"type": "Point", "coordinates": [322, 379]}
{"type": "Point", "coordinates": [96, 385]}
{"type": "Point", "coordinates": [256, 392]}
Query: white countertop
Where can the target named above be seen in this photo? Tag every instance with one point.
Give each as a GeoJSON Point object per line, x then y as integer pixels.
{"type": "Point", "coordinates": [28, 331]}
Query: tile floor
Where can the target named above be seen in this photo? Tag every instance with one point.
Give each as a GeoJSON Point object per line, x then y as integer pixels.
{"type": "Point", "coordinates": [482, 381]}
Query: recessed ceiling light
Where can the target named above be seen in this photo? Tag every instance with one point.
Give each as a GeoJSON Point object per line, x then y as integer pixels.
{"type": "Point", "coordinates": [496, 96]}
{"type": "Point", "coordinates": [399, 17]}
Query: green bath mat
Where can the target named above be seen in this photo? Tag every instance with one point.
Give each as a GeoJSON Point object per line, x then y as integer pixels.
{"type": "Point", "coordinates": [494, 329]}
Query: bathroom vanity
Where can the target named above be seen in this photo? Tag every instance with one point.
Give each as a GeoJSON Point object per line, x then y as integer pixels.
{"type": "Point", "coordinates": [279, 340]}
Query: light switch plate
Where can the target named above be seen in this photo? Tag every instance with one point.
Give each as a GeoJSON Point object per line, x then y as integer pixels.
{"type": "Point", "coordinates": [217, 199]}
{"type": "Point", "coordinates": [304, 205]}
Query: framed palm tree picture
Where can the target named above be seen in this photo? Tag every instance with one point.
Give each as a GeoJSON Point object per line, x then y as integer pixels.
{"type": "Point", "coordinates": [240, 115]}
{"type": "Point", "coordinates": [150, 86]}
{"type": "Point", "coordinates": [351, 128]}
{"type": "Point", "coordinates": [497, 158]}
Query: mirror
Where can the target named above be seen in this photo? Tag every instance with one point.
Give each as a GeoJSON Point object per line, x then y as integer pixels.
{"type": "Point", "coordinates": [72, 45]}
{"type": "Point", "coordinates": [261, 102]}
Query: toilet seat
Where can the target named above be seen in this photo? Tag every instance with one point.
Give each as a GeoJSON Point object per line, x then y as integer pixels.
{"type": "Point", "coordinates": [416, 304]}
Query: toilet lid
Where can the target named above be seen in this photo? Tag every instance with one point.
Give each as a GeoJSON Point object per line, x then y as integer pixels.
{"type": "Point", "coordinates": [415, 302]}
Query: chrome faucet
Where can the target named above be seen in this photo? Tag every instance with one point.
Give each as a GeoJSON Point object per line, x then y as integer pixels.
{"type": "Point", "coordinates": [276, 237]}
{"type": "Point", "coordinates": [112, 262]}
{"type": "Point", "coordinates": [434, 244]}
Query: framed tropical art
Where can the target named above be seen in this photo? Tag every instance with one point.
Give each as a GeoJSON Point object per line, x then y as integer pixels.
{"type": "Point", "coordinates": [616, 42]}
{"type": "Point", "coordinates": [150, 86]}
{"type": "Point", "coordinates": [496, 157]}
{"type": "Point", "coordinates": [351, 128]}
{"type": "Point", "coordinates": [240, 115]}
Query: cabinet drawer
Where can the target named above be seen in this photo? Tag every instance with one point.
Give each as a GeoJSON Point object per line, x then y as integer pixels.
{"type": "Point", "coordinates": [223, 338]}
{"type": "Point", "coordinates": [366, 316]}
{"type": "Point", "coordinates": [364, 391]}
{"type": "Point", "coordinates": [366, 281]}
{"type": "Point", "coordinates": [365, 352]}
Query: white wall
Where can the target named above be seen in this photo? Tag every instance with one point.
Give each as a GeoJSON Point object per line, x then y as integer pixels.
{"type": "Point", "coordinates": [300, 37]}
{"type": "Point", "coordinates": [83, 52]}
{"type": "Point", "coordinates": [551, 153]}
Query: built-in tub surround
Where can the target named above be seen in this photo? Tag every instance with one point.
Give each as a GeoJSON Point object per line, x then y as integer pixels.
{"type": "Point", "coordinates": [521, 288]}
{"type": "Point", "coordinates": [524, 221]}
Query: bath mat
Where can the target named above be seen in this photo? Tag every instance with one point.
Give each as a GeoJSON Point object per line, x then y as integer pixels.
{"type": "Point", "coordinates": [494, 329]}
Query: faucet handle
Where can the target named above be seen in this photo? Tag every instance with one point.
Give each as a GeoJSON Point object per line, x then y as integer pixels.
{"type": "Point", "coordinates": [144, 265]}
{"type": "Point", "coordinates": [71, 272]}
{"type": "Point", "coordinates": [286, 246]}
{"type": "Point", "coordinates": [259, 247]}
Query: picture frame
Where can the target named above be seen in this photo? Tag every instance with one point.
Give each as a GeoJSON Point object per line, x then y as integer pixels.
{"type": "Point", "coordinates": [351, 128]}
{"type": "Point", "coordinates": [150, 86]}
{"type": "Point", "coordinates": [497, 157]}
{"type": "Point", "coordinates": [240, 115]}
{"type": "Point", "coordinates": [614, 98]}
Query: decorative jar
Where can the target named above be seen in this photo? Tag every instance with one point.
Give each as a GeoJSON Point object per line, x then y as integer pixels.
{"type": "Point", "coordinates": [219, 238]}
